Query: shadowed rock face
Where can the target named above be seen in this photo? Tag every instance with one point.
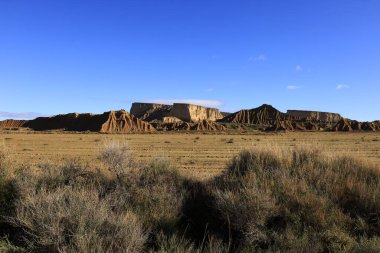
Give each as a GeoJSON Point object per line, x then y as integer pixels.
{"type": "Point", "coordinates": [185, 112]}
{"type": "Point", "coordinates": [150, 111]}
{"type": "Point", "coordinates": [108, 122]}
{"type": "Point", "coordinates": [263, 115]}
{"type": "Point", "coordinates": [315, 116]}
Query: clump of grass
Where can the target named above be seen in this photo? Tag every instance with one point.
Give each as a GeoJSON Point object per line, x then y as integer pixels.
{"type": "Point", "coordinates": [230, 140]}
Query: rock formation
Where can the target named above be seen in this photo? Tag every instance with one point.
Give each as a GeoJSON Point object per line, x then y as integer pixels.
{"type": "Point", "coordinates": [108, 122]}
{"type": "Point", "coordinates": [150, 111]}
{"type": "Point", "coordinates": [185, 112]}
{"type": "Point", "coordinates": [315, 116]}
{"type": "Point", "coordinates": [206, 125]}
{"type": "Point", "coordinates": [194, 113]}
{"type": "Point", "coordinates": [348, 125]}
{"type": "Point", "coordinates": [11, 123]}
{"type": "Point", "coordinates": [265, 115]}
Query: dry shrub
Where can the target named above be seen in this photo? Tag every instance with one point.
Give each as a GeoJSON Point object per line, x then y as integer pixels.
{"type": "Point", "coordinates": [117, 157]}
{"type": "Point", "coordinates": [295, 201]}
{"type": "Point", "coordinates": [155, 192]}
{"type": "Point", "coordinates": [371, 245]}
{"type": "Point", "coordinates": [67, 220]}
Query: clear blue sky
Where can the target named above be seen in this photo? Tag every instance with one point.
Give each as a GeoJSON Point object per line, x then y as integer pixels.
{"type": "Point", "coordinates": [92, 56]}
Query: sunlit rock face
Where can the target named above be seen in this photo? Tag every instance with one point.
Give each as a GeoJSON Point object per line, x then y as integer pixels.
{"type": "Point", "coordinates": [315, 115]}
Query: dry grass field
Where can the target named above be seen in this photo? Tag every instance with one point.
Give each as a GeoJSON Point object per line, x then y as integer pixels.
{"type": "Point", "coordinates": [283, 192]}
{"type": "Point", "coordinates": [197, 155]}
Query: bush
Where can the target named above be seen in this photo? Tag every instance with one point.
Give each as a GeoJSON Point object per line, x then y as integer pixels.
{"type": "Point", "coordinates": [371, 245]}
{"type": "Point", "coordinates": [155, 192]}
{"type": "Point", "coordinates": [7, 247]}
{"type": "Point", "coordinates": [117, 157]}
{"type": "Point", "coordinates": [266, 201]}
{"type": "Point", "coordinates": [68, 220]}
{"type": "Point", "coordinates": [295, 201]}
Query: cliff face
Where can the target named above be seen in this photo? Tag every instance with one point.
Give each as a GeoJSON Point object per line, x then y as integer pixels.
{"type": "Point", "coordinates": [150, 111]}
{"type": "Point", "coordinates": [315, 116]}
{"type": "Point", "coordinates": [194, 113]}
{"type": "Point", "coordinates": [108, 122]}
{"type": "Point", "coordinates": [185, 112]}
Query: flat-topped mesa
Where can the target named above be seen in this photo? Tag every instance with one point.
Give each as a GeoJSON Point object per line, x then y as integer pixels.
{"type": "Point", "coordinates": [315, 115]}
{"type": "Point", "coordinates": [194, 113]}
{"type": "Point", "coordinates": [186, 112]}
{"type": "Point", "coordinates": [150, 111]}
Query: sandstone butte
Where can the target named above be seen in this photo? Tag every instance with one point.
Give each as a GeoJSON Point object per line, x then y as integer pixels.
{"type": "Point", "coordinates": [184, 112]}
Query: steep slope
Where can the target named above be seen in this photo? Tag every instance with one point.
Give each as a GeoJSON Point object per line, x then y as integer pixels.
{"type": "Point", "coordinates": [206, 125]}
{"type": "Point", "coordinates": [11, 123]}
{"type": "Point", "coordinates": [108, 122]}
{"type": "Point", "coordinates": [348, 125]}
{"type": "Point", "coordinates": [265, 115]}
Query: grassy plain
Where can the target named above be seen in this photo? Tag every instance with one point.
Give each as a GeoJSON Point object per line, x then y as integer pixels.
{"type": "Point", "coordinates": [197, 155]}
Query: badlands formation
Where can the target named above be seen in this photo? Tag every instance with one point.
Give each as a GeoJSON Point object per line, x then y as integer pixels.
{"type": "Point", "coordinates": [149, 117]}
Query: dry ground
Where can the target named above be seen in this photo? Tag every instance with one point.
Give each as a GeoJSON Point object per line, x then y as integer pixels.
{"type": "Point", "coordinates": [195, 154]}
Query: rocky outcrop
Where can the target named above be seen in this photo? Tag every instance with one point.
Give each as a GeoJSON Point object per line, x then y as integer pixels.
{"type": "Point", "coordinates": [108, 122]}
{"type": "Point", "coordinates": [348, 125]}
{"type": "Point", "coordinates": [185, 112]}
{"type": "Point", "coordinates": [206, 125]}
{"type": "Point", "coordinates": [150, 111]}
{"type": "Point", "coordinates": [194, 113]}
{"type": "Point", "coordinates": [11, 123]}
{"type": "Point", "coordinates": [315, 115]}
{"type": "Point", "coordinates": [265, 115]}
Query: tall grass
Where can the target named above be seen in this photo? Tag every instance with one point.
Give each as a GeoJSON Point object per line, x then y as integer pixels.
{"type": "Point", "coordinates": [274, 200]}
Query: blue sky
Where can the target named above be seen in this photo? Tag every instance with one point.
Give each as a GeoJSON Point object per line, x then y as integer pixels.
{"type": "Point", "coordinates": [92, 56]}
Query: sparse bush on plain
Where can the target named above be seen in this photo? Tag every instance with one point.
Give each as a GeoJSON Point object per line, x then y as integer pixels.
{"type": "Point", "coordinates": [117, 157]}
{"type": "Point", "coordinates": [298, 200]}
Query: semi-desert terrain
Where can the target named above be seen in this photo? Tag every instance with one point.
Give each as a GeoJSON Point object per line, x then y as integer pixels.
{"type": "Point", "coordinates": [195, 154]}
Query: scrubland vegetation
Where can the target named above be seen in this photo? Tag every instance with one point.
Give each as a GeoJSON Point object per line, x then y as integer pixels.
{"type": "Point", "coordinates": [267, 200]}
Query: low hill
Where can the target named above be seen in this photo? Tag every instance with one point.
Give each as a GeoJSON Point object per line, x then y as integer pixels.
{"type": "Point", "coordinates": [108, 122]}
{"type": "Point", "coordinates": [265, 115]}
